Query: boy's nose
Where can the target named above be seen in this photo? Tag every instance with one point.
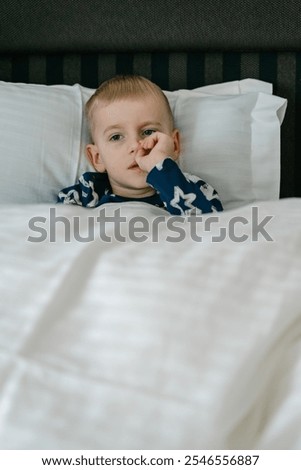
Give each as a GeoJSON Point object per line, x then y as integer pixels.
{"type": "Point", "coordinates": [134, 145]}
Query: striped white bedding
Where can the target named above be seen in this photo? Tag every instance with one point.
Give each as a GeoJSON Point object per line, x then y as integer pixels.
{"type": "Point", "coordinates": [150, 344]}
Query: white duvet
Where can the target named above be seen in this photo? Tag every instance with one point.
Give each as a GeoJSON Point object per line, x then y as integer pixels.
{"type": "Point", "coordinates": [168, 344]}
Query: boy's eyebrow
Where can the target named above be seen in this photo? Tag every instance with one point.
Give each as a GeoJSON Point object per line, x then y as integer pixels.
{"type": "Point", "coordinates": [151, 123]}
{"type": "Point", "coordinates": [113, 126]}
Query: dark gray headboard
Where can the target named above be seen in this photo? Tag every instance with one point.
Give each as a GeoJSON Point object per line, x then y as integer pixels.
{"type": "Point", "coordinates": [137, 25]}
{"type": "Point", "coordinates": [175, 43]}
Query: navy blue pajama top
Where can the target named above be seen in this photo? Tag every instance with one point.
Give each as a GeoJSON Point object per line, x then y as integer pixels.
{"type": "Point", "coordinates": [179, 193]}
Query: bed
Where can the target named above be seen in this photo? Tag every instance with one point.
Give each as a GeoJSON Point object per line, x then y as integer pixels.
{"type": "Point", "coordinates": [154, 332]}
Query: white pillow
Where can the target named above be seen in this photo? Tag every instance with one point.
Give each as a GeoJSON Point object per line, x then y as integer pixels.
{"type": "Point", "coordinates": [43, 134]}
{"type": "Point", "coordinates": [233, 143]}
{"type": "Point", "coordinates": [230, 135]}
{"type": "Point", "coordinates": [40, 132]}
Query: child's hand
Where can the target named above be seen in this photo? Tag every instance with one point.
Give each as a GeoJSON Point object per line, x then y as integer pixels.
{"type": "Point", "coordinates": [154, 149]}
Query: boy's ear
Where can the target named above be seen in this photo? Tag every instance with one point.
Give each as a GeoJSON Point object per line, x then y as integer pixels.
{"type": "Point", "coordinates": [177, 142]}
{"type": "Point", "coordinates": [94, 158]}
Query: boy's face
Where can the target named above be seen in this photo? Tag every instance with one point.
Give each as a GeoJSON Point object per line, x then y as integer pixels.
{"type": "Point", "coordinates": [118, 128]}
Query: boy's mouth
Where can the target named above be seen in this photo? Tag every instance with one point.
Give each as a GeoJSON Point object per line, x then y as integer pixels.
{"type": "Point", "coordinates": [133, 165]}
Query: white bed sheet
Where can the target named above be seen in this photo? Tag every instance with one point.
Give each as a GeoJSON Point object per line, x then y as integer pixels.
{"type": "Point", "coordinates": [126, 345]}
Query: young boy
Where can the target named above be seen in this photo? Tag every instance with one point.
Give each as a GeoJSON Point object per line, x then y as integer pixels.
{"type": "Point", "coordinates": [134, 152]}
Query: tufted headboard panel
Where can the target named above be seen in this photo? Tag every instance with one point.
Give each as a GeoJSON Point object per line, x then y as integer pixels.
{"type": "Point", "coordinates": [176, 44]}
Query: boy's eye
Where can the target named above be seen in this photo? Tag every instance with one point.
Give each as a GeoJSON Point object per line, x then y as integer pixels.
{"type": "Point", "coordinates": [148, 132]}
{"type": "Point", "coordinates": [115, 137]}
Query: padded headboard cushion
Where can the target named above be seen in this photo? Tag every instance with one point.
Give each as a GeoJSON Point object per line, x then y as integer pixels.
{"type": "Point", "coordinates": [137, 25]}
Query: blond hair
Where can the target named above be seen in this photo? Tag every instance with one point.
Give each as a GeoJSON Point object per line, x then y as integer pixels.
{"type": "Point", "coordinates": [123, 87]}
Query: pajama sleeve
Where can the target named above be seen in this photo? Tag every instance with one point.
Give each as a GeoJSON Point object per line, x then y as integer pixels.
{"type": "Point", "coordinates": [182, 194]}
